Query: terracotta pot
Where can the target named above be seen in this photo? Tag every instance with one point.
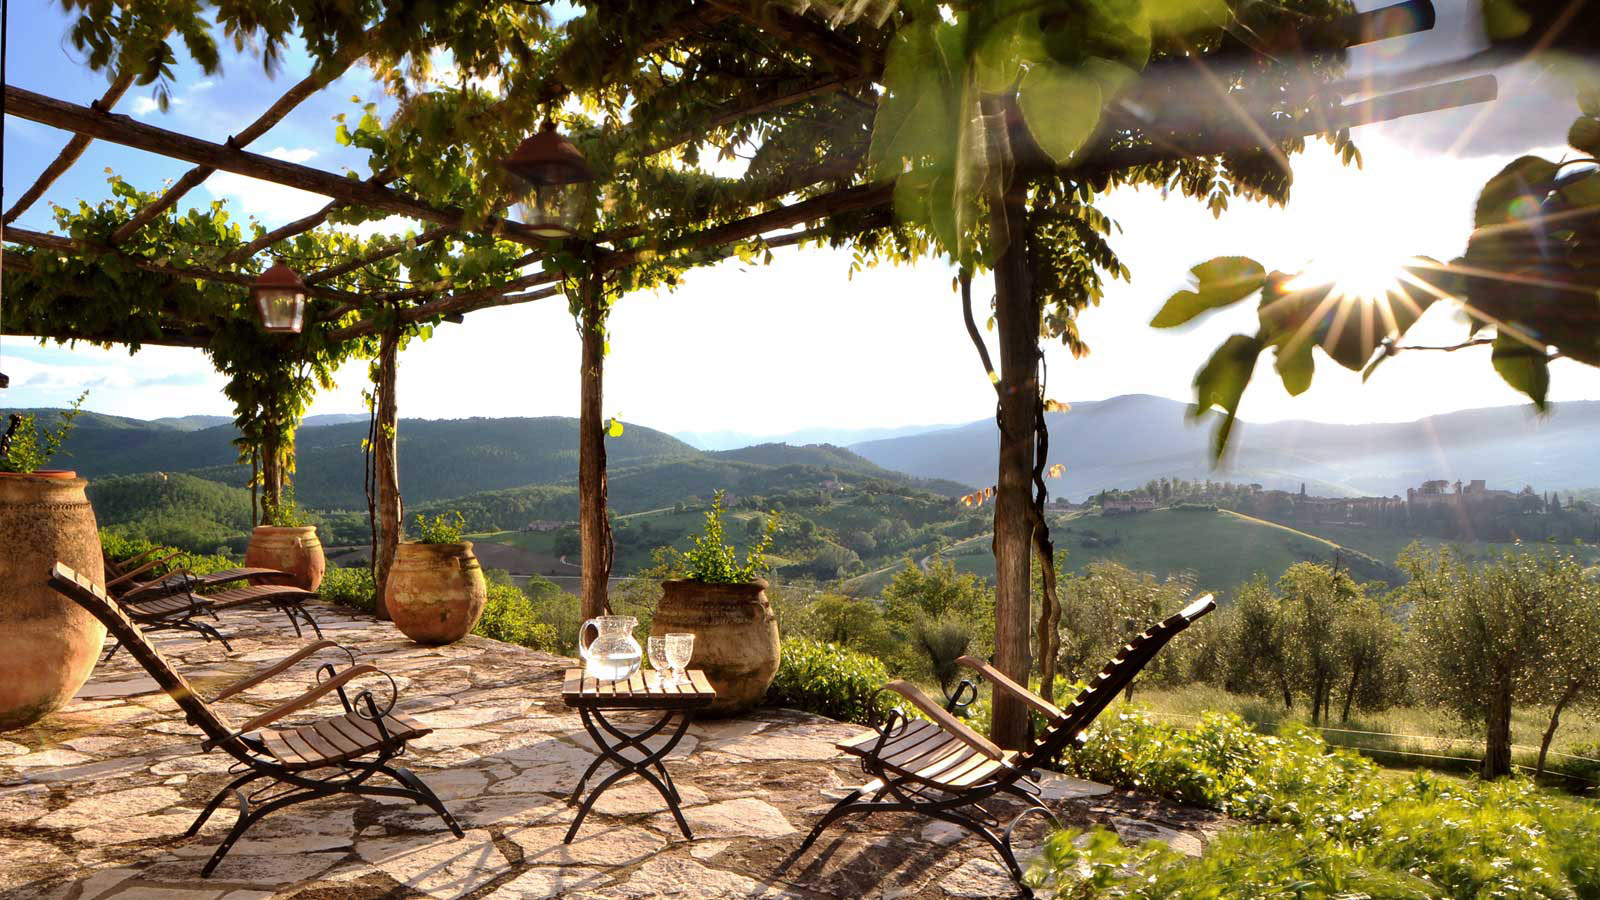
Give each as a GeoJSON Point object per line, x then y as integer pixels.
{"type": "Point", "coordinates": [294, 549]}
{"type": "Point", "coordinates": [50, 643]}
{"type": "Point", "coordinates": [735, 637]}
{"type": "Point", "coordinates": [436, 592]}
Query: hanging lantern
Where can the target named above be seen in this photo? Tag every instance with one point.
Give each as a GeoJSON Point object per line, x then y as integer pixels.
{"type": "Point", "coordinates": [556, 178]}
{"type": "Point", "coordinates": [280, 298]}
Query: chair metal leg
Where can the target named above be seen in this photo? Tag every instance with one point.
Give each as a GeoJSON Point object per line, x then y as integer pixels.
{"type": "Point", "coordinates": [232, 788]}
{"type": "Point", "coordinates": [837, 812]}
{"type": "Point", "coordinates": [424, 794]}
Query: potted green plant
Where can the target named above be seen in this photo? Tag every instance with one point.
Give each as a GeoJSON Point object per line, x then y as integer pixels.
{"type": "Point", "coordinates": [285, 541]}
{"type": "Point", "coordinates": [26, 447]}
{"type": "Point", "coordinates": [435, 592]}
{"type": "Point", "coordinates": [51, 644]}
{"type": "Point", "coordinates": [723, 603]}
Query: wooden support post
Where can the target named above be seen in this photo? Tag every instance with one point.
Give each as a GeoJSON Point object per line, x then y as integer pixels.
{"type": "Point", "coordinates": [391, 508]}
{"type": "Point", "coordinates": [594, 530]}
{"type": "Point", "coordinates": [1017, 320]}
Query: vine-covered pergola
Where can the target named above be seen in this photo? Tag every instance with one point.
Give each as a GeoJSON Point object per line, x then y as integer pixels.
{"type": "Point", "coordinates": [979, 132]}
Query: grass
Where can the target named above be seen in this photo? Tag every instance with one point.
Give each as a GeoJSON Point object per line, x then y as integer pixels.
{"type": "Point", "coordinates": [1401, 737]}
{"type": "Point", "coordinates": [1220, 550]}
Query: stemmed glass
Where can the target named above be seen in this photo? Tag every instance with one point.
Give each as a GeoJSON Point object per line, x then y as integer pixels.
{"type": "Point", "coordinates": [679, 651]}
{"type": "Point", "coordinates": [656, 647]}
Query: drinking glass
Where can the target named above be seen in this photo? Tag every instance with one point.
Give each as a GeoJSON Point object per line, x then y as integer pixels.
{"type": "Point", "coordinates": [657, 649]}
{"type": "Point", "coordinates": [680, 650]}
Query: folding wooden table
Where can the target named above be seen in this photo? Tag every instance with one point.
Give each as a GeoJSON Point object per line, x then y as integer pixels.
{"type": "Point", "coordinates": [644, 691]}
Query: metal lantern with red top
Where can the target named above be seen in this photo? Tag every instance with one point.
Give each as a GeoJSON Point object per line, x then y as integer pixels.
{"type": "Point", "coordinates": [280, 297]}
{"type": "Point", "coordinates": [555, 174]}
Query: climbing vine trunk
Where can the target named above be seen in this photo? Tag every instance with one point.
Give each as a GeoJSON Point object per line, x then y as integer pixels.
{"type": "Point", "coordinates": [271, 476]}
{"type": "Point", "coordinates": [1017, 320]}
{"type": "Point", "coordinates": [391, 508]}
{"type": "Point", "coordinates": [594, 531]}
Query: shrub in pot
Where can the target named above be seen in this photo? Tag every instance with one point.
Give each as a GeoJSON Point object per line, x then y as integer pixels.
{"type": "Point", "coordinates": [285, 542]}
{"type": "Point", "coordinates": [435, 593]}
{"type": "Point", "coordinates": [51, 644]}
{"type": "Point", "coordinates": [723, 603]}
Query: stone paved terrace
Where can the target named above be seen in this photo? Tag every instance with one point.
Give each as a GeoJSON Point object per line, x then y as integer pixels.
{"type": "Point", "coordinates": [94, 800]}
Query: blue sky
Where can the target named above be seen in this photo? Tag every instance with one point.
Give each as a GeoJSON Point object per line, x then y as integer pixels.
{"type": "Point", "coordinates": [797, 343]}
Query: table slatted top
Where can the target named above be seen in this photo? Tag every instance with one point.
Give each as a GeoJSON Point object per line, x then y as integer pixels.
{"type": "Point", "coordinates": [643, 690]}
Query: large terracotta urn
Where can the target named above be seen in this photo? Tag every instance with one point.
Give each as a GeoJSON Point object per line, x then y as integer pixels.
{"type": "Point", "coordinates": [293, 549]}
{"type": "Point", "coordinates": [50, 643]}
{"type": "Point", "coordinates": [436, 592]}
{"type": "Point", "coordinates": [735, 637]}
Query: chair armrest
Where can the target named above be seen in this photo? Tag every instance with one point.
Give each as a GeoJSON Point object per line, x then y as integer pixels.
{"type": "Point", "coordinates": [1002, 683]}
{"type": "Point", "coordinates": [174, 582]}
{"type": "Point", "coordinates": [271, 671]}
{"type": "Point", "coordinates": [944, 720]}
{"type": "Point", "coordinates": [301, 702]}
{"type": "Point", "coordinates": [148, 565]}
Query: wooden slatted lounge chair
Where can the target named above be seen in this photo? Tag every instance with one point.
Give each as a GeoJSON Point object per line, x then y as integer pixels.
{"type": "Point", "coordinates": [331, 755]}
{"type": "Point", "coordinates": [940, 767]}
{"type": "Point", "coordinates": [182, 610]}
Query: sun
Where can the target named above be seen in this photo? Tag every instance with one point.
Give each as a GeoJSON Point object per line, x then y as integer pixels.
{"type": "Point", "coordinates": [1368, 275]}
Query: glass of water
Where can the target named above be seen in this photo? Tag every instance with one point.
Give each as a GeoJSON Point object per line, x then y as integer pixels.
{"type": "Point", "coordinates": [656, 647]}
{"type": "Point", "coordinates": [680, 650]}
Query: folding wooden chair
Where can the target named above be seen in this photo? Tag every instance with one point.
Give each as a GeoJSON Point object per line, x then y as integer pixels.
{"type": "Point", "coordinates": [331, 755]}
{"type": "Point", "coordinates": [941, 768]}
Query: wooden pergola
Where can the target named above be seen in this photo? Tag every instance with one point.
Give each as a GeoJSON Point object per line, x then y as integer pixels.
{"type": "Point", "coordinates": [808, 61]}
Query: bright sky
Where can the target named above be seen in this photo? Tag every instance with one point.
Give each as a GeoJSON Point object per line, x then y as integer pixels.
{"type": "Point", "coordinates": [795, 344]}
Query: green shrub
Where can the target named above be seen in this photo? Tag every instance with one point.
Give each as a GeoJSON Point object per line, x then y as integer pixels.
{"type": "Point", "coordinates": [350, 587]}
{"type": "Point", "coordinates": [510, 616]}
{"type": "Point", "coordinates": [1325, 824]}
{"type": "Point", "coordinates": [1582, 763]}
{"type": "Point", "coordinates": [441, 529]}
{"type": "Point", "coordinates": [120, 547]}
{"type": "Point", "coordinates": [829, 681]}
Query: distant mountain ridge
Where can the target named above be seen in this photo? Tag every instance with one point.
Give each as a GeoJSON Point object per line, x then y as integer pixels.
{"type": "Point", "coordinates": [1126, 441]}
{"type": "Point", "coordinates": [734, 440]}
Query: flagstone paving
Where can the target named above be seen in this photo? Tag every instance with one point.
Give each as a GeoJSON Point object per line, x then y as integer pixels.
{"type": "Point", "coordinates": [94, 800]}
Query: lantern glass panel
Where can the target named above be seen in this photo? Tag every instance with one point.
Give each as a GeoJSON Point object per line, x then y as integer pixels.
{"type": "Point", "coordinates": [553, 210]}
{"type": "Point", "coordinates": [282, 309]}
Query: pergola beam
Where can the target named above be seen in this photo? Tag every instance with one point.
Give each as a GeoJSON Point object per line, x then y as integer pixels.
{"type": "Point", "coordinates": [129, 132]}
{"type": "Point", "coordinates": [70, 153]}
{"type": "Point", "coordinates": [71, 247]}
{"type": "Point", "coordinates": [294, 96]}
{"type": "Point", "coordinates": [345, 268]}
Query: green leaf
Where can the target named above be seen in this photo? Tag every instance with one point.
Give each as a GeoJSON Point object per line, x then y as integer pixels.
{"type": "Point", "coordinates": [1515, 191]}
{"type": "Point", "coordinates": [1218, 282]}
{"type": "Point", "coordinates": [1220, 383]}
{"type": "Point", "coordinates": [1524, 367]}
{"type": "Point", "coordinates": [1295, 366]}
{"type": "Point", "coordinates": [1061, 107]}
{"type": "Point", "coordinates": [1184, 17]}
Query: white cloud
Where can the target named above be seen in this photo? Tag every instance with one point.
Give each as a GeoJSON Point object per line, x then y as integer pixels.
{"type": "Point", "coordinates": [292, 154]}
{"type": "Point", "coordinates": [143, 106]}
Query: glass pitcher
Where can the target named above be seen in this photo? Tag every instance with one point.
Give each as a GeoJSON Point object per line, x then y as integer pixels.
{"type": "Point", "coordinates": [612, 654]}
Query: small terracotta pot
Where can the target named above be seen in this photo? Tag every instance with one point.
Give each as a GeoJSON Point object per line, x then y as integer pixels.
{"type": "Point", "coordinates": [294, 549]}
{"type": "Point", "coordinates": [50, 644]}
{"type": "Point", "coordinates": [735, 637]}
{"type": "Point", "coordinates": [436, 592]}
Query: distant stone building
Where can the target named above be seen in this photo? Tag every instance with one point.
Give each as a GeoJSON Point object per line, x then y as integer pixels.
{"type": "Point", "coordinates": [1128, 505]}
{"type": "Point", "coordinates": [542, 526]}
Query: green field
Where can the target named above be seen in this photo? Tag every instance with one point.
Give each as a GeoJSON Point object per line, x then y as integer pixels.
{"type": "Point", "coordinates": [1385, 545]}
{"type": "Point", "coordinates": [1219, 549]}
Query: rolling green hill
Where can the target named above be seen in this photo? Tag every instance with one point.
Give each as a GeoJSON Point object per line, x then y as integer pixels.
{"type": "Point", "coordinates": [1220, 550]}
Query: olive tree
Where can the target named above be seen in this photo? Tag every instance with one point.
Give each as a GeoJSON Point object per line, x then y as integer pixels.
{"type": "Point", "coordinates": [1574, 675]}
{"type": "Point", "coordinates": [1487, 636]}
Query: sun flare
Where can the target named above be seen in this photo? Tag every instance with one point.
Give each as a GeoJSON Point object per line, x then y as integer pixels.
{"type": "Point", "coordinates": [1368, 276]}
